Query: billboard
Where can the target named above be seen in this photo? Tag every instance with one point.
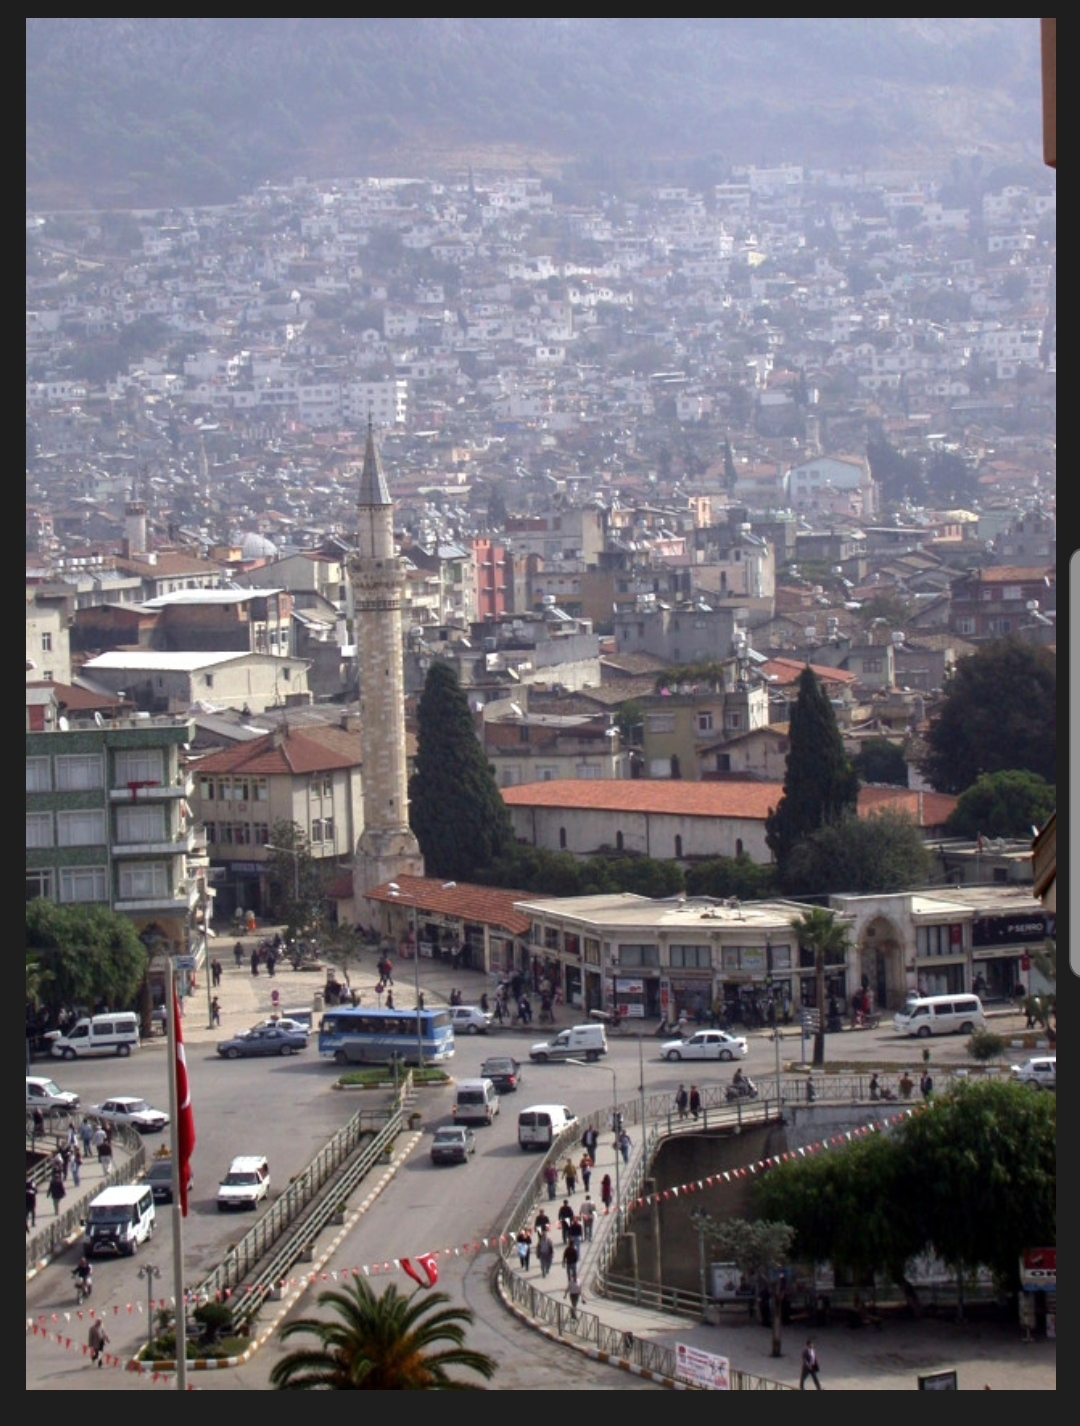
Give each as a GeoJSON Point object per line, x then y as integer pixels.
{"type": "Point", "coordinates": [703, 1369]}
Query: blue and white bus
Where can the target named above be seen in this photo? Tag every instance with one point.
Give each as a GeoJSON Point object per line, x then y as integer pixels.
{"type": "Point", "coordinates": [377, 1037]}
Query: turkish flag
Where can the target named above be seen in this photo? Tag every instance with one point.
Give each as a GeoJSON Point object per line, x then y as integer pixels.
{"type": "Point", "coordinates": [185, 1127]}
{"type": "Point", "coordinates": [428, 1263]}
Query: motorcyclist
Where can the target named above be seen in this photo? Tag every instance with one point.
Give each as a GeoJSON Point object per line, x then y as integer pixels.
{"type": "Point", "coordinates": [737, 1078]}
{"type": "Point", "coordinates": [83, 1276]}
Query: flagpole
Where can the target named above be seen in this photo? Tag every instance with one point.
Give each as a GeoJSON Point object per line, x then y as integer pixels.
{"type": "Point", "coordinates": [177, 1171]}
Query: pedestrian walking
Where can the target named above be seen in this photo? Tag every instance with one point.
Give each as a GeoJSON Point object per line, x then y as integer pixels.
{"type": "Point", "coordinates": [215, 1012]}
{"type": "Point", "coordinates": [76, 1165]}
{"type": "Point", "coordinates": [551, 1178]}
{"type": "Point", "coordinates": [541, 1223]}
{"type": "Point", "coordinates": [420, 1001]}
{"type": "Point", "coordinates": [271, 961]}
{"type": "Point", "coordinates": [625, 1145]}
{"type": "Point", "coordinates": [682, 1101]}
{"type": "Point", "coordinates": [811, 1089]}
{"type": "Point", "coordinates": [809, 1365]}
{"type": "Point", "coordinates": [524, 1247]}
{"type": "Point", "coordinates": [38, 1120]}
{"type": "Point", "coordinates": [695, 1100]}
{"type": "Point", "coordinates": [569, 1173]}
{"type": "Point", "coordinates": [587, 1215]}
{"type": "Point", "coordinates": [97, 1341]}
{"type": "Point", "coordinates": [389, 1000]}
{"type": "Point", "coordinates": [31, 1203]}
{"type": "Point", "coordinates": [545, 1253]}
{"type": "Point", "coordinates": [574, 1293]}
{"type": "Point", "coordinates": [576, 1233]}
{"type": "Point", "coordinates": [215, 972]}
{"type": "Point", "coordinates": [57, 1191]}
{"type": "Point", "coordinates": [566, 1217]}
{"type": "Point", "coordinates": [585, 1168]}
{"type": "Point", "coordinates": [590, 1139]}
{"type": "Point", "coordinates": [238, 954]}
{"type": "Point", "coordinates": [86, 1134]}
{"type": "Point", "coordinates": [499, 1011]}
{"type": "Point", "coordinates": [104, 1150]}
{"type": "Point", "coordinates": [570, 1259]}
{"type": "Point", "coordinates": [254, 960]}
{"type": "Point", "coordinates": [605, 1192]}
{"type": "Point", "coordinates": [926, 1085]}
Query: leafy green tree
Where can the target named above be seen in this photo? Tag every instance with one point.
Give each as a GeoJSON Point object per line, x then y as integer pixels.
{"type": "Point", "coordinates": [845, 1209]}
{"type": "Point", "coordinates": [731, 876]}
{"type": "Point", "coordinates": [882, 852]}
{"type": "Point", "coordinates": [821, 932]}
{"type": "Point", "coordinates": [86, 955]}
{"type": "Point", "coordinates": [630, 721]}
{"type": "Point", "coordinates": [982, 1161]}
{"type": "Point", "coordinates": [882, 761]}
{"type": "Point", "coordinates": [820, 785]}
{"type": "Point", "coordinates": [456, 811]}
{"type": "Point", "coordinates": [759, 1250]}
{"type": "Point", "coordinates": [295, 880]}
{"type": "Point", "coordinates": [646, 876]}
{"type": "Point", "coordinates": [999, 713]}
{"type": "Point", "coordinates": [1003, 804]}
{"type": "Point", "coordinates": [381, 1343]}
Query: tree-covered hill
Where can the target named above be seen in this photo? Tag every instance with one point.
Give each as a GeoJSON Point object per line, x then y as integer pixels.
{"type": "Point", "coordinates": [196, 110]}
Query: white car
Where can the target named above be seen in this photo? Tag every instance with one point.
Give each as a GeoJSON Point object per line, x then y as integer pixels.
{"type": "Point", "coordinates": [470, 1020]}
{"type": "Point", "coordinates": [46, 1094]}
{"type": "Point", "coordinates": [1040, 1071]}
{"type": "Point", "coordinates": [135, 1113]}
{"type": "Point", "coordinates": [705, 1045]}
{"type": "Point", "coordinates": [281, 1022]}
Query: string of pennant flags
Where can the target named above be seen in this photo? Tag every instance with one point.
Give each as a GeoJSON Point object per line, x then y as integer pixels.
{"type": "Point", "coordinates": [423, 1268]}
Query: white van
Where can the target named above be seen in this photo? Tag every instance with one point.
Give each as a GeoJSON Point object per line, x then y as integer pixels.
{"type": "Point", "coordinates": [584, 1042]}
{"type": "Point", "coordinates": [119, 1219]}
{"type": "Point", "coordinates": [475, 1102]}
{"type": "Point", "coordinates": [940, 1015]}
{"type": "Point", "coordinates": [100, 1035]}
{"type": "Point", "coordinates": [541, 1124]}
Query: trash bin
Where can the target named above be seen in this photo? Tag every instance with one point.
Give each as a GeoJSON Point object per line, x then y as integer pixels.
{"type": "Point", "coordinates": [317, 1003]}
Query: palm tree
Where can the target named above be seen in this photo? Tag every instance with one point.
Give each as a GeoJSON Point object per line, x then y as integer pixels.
{"type": "Point", "coordinates": [381, 1344]}
{"type": "Point", "coordinates": [819, 931]}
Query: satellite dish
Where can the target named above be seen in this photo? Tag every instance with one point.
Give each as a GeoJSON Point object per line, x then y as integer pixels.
{"type": "Point", "coordinates": [99, 720]}
{"type": "Point", "coordinates": [63, 723]}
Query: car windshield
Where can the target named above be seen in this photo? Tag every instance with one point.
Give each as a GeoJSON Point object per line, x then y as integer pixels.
{"type": "Point", "coordinates": [449, 1136]}
{"type": "Point", "coordinates": [132, 1106]}
{"type": "Point", "coordinates": [47, 1087]}
{"type": "Point", "coordinates": [234, 1179]}
{"type": "Point", "coordinates": [120, 1213]}
{"type": "Point", "coordinates": [160, 1170]}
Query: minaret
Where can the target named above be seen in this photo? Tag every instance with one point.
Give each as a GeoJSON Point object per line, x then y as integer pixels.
{"type": "Point", "coordinates": [387, 847]}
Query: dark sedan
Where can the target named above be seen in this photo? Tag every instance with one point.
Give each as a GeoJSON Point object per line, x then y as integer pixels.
{"type": "Point", "coordinates": [270, 1041]}
{"type": "Point", "coordinates": [503, 1071]}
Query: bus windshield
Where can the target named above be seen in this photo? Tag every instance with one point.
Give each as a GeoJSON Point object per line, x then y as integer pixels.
{"type": "Point", "coordinates": [383, 1036]}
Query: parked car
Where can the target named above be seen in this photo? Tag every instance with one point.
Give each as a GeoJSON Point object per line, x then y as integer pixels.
{"type": "Point", "coordinates": [159, 1177]}
{"type": "Point", "coordinates": [470, 1020]}
{"type": "Point", "coordinates": [453, 1144]}
{"type": "Point", "coordinates": [1040, 1071]}
{"type": "Point", "coordinates": [263, 1042]}
{"type": "Point", "coordinates": [135, 1113]}
{"type": "Point", "coordinates": [706, 1045]}
{"type": "Point", "coordinates": [503, 1071]}
{"type": "Point", "coordinates": [46, 1094]}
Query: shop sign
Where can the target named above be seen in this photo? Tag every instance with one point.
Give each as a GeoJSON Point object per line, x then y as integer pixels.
{"type": "Point", "coordinates": [1035, 926]}
{"type": "Point", "coordinates": [627, 986]}
{"type": "Point", "coordinates": [1038, 1270]}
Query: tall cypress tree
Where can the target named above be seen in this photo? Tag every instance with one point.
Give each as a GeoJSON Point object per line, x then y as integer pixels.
{"type": "Point", "coordinates": [820, 785]}
{"type": "Point", "coordinates": [455, 808]}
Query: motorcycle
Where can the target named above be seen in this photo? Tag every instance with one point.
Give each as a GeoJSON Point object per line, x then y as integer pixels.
{"type": "Point", "coordinates": [84, 1285]}
{"type": "Point", "coordinates": [741, 1089]}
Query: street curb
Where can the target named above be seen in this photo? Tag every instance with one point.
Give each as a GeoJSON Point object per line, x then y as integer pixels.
{"type": "Point", "coordinates": [289, 1300]}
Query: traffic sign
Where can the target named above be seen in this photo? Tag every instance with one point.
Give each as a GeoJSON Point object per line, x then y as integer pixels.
{"type": "Point", "coordinates": [185, 962]}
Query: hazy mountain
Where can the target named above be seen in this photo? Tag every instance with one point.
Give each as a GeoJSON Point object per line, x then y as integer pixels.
{"type": "Point", "coordinates": [131, 111]}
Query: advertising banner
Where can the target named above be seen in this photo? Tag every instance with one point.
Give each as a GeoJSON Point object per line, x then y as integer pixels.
{"type": "Point", "coordinates": [702, 1368]}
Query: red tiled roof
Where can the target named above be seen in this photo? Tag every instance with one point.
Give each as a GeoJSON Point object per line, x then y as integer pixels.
{"type": "Point", "coordinates": [677, 798]}
{"type": "Point", "coordinates": [487, 905]}
{"type": "Point", "coordinates": [306, 751]}
{"type": "Point", "coordinates": [788, 671]}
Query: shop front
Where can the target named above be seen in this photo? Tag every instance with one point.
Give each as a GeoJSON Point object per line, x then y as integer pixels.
{"type": "Point", "coordinates": [1001, 952]}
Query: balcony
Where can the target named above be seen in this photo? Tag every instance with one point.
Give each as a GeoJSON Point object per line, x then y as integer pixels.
{"type": "Point", "coordinates": [183, 843]}
{"type": "Point", "coordinates": [176, 903]}
{"type": "Point", "coordinates": [184, 786]}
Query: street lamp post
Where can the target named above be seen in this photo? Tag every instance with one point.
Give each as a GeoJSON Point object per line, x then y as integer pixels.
{"type": "Point", "coordinates": [150, 1272]}
{"type": "Point", "coordinates": [616, 1123]}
